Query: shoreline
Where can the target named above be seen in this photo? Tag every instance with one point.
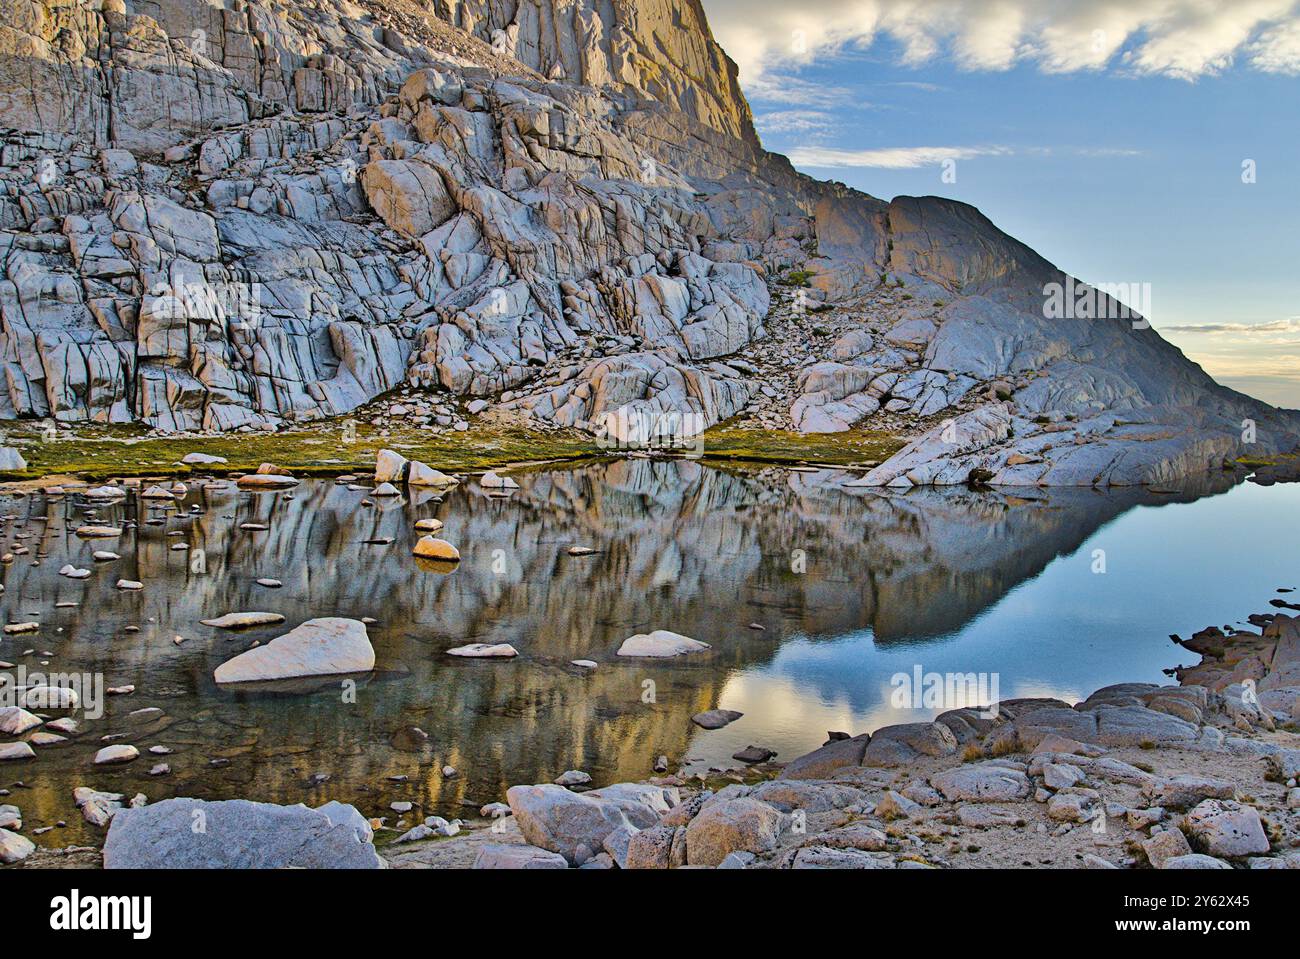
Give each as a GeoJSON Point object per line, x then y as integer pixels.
{"type": "Point", "coordinates": [1197, 775]}
{"type": "Point", "coordinates": [323, 450]}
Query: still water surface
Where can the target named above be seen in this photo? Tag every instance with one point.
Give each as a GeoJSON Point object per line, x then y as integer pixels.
{"type": "Point", "coordinates": [851, 585]}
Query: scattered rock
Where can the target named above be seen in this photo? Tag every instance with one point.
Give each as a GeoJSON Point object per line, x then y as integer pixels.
{"type": "Point", "coordinates": [661, 644]}
{"type": "Point", "coordinates": [238, 834]}
{"type": "Point", "coordinates": [716, 718]}
{"type": "Point", "coordinates": [319, 647]}
{"type": "Point", "coordinates": [1226, 828]}
{"type": "Point", "coordinates": [730, 826]}
{"type": "Point", "coordinates": [116, 754]}
{"type": "Point", "coordinates": [517, 856]}
{"type": "Point", "coordinates": [430, 547]}
{"type": "Point", "coordinates": [243, 620]}
{"type": "Point", "coordinates": [485, 651]}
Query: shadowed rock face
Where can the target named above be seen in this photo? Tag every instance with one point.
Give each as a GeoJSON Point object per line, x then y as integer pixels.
{"type": "Point", "coordinates": [235, 218]}
{"type": "Point", "coordinates": [673, 540]}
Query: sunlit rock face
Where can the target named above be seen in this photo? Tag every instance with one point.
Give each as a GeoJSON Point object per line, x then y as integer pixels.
{"type": "Point", "coordinates": [229, 219]}
{"type": "Point", "coordinates": [670, 538]}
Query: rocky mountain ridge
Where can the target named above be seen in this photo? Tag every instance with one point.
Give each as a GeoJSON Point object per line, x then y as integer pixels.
{"type": "Point", "coordinates": [240, 215]}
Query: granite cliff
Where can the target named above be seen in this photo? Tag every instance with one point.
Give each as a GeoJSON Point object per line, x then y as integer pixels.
{"type": "Point", "coordinates": [244, 214]}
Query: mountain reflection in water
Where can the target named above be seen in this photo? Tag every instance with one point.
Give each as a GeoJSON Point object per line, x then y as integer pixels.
{"type": "Point", "coordinates": [851, 585]}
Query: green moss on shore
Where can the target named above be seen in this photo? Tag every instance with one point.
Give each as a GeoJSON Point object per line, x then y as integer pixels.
{"type": "Point", "coordinates": [100, 452]}
{"type": "Point", "coordinates": [323, 450]}
{"type": "Point", "coordinates": [851, 448]}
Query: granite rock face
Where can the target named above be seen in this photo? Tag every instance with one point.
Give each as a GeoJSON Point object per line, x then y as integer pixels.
{"type": "Point", "coordinates": [240, 216]}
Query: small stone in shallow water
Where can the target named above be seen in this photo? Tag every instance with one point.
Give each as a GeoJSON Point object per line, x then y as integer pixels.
{"type": "Point", "coordinates": [449, 772]}
{"type": "Point", "coordinates": [15, 751]}
{"type": "Point", "coordinates": [14, 848]}
{"type": "Point", "coordinates": [270, 583]}
{"type": "Point", "coordinates": [243, 620]}
{"type": "Point", "coordinates": [113, 755]}
{"type": "Point", "coordinates": [99, 532]}
{"type": "Point", "coordinates": [14, 720]}
{"type": "Point", "coordinates": [430, 547]}
{"type": "Point", "coordinates": [494, 481]}
{"type": "Point", "coordinates": [50, 697]}
{"type": "Point", "coordinates": [574, 777]}
{"type": "Point", "coordinates": [660, 644]}
{"type": "Point", "coordinates": [754, 754]}
{"type": "Point", "coordinates": [428, 525]}
{"type": "Point", "coordinates": [129, 584]}
{"type": "Point", "coordinates": [715, 718]}
{"type": "Point", "coordinates": [581, 551]}
{"type": "Point", "coordinates": [265, 481]}
{"type": "Point", "coordinates": [583, 663]}
{"type": "Point", "coordinates": [104, 556]}
{"type": "Point", "coordinates": [484, 651]}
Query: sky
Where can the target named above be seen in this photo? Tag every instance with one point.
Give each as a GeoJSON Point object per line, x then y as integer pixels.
{"type": "Point", "coordinates": [1150, 142]}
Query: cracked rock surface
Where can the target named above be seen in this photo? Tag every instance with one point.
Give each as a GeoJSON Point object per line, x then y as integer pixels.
{"type": "Point", "coordinates": [237, 215]}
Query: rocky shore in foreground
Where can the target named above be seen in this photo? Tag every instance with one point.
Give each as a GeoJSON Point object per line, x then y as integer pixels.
{"type": "Point", "coordinates": [1202, 775]}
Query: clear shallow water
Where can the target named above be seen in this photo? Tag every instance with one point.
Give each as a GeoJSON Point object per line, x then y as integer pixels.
{"type": "Point", "coordinates": [947, 580]}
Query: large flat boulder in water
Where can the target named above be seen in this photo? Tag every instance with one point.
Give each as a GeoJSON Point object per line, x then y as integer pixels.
{"type": "Point", "coordinates": [319, 647]}
{"type": "Point", "coordinates": [237, 834]}
{"type": "Point", "coordinates": [661, 644]}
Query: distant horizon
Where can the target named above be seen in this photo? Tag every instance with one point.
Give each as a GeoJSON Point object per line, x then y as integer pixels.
{"type": "Point", "coordinates": [1137, 149]}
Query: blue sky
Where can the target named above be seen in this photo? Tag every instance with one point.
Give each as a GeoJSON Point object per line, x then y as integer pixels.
{"type": "Point", "coordinates": [1126, 169]}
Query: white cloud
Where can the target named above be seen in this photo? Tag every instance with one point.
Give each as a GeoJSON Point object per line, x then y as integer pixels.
{"type": "Point", "coordinates": [910, 158]}
{"type": "Point", "coordinates": [891, 158]}
{"type": "Point", "coordinates": [1179, 38]}
{"type": "Point", "coordinates": [1289, 325]}
{"type": "Point", "coordinates": [809, 124]}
